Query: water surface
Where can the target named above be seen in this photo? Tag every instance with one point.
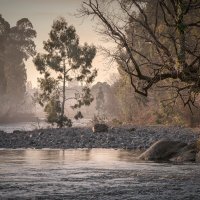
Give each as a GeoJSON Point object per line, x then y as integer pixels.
{"type": "Point", "coordinates": [98, 174]}
{"type": "Point", "coordinates": [29, 126]}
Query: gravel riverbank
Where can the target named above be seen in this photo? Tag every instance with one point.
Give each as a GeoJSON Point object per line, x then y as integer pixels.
{"type": "Point", "coordinates": [122, 137]}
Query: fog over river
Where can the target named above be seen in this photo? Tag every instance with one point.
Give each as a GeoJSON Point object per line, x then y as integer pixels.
{"type": "Point", "coordinates": [98, 174]}
{"type": "Point", "coordinates": [29, 126]}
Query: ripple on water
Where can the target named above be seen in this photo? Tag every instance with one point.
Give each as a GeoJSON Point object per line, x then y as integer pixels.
{"type": "Point", "coordinates": [93, 174]}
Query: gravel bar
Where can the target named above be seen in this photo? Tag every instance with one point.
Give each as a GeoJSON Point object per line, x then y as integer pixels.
{"type": "Point", "coordinates": [132, 137]}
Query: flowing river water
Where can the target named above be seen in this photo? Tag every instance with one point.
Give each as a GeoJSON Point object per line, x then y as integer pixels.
{"type": "Point", "coordinates": [97, 174]}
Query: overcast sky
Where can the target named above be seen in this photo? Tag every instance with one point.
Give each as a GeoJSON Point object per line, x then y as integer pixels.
{"type": "Point", "coordinates": [42, 13]}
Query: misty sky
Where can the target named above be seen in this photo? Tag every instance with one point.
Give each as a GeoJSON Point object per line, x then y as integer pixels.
{"type": "Point", "coordinates": [42, 13]}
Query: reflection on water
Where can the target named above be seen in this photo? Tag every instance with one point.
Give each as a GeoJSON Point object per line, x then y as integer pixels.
{"type": "Point", "coordinates": [42, 157]}
{"type": "Point", "coordinates": [23, 126]}
{"type": "Point", "coordinates": [29, 126]}
{"type": "Point", "coordinates": [93, 174]}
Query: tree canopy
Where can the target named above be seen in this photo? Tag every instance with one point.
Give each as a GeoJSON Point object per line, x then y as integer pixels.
{"type": "Point", "coordinates": [158, 42]}
{"type": "Point", "coordinates": [69, 61]}
{"type": "Point", "coordinates": [16, 46]}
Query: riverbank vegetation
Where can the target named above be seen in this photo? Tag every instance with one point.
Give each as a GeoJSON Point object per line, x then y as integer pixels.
{"type": "Point", "coordinates": [16, 46]}
{"type": "Point", "coordinates": [156, 52]}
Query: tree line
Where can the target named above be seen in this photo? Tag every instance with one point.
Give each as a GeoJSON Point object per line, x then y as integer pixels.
{"type": "Point", "coordinates": [157, 43]}
{"type": "Point", "coordinates": [16, 46]}
{"type": "Point", "coordinates": [157, 54]}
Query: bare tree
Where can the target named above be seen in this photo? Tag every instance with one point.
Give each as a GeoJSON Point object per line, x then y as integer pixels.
{"type": "Point", "coordinates": [158, 42]}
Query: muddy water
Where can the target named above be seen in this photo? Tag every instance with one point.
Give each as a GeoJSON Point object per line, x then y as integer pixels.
{"type": "Point", "coordinates": [98, 174]}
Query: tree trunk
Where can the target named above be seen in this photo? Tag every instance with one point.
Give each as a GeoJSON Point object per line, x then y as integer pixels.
{"type": "Point", "coordinates": [63, 100]}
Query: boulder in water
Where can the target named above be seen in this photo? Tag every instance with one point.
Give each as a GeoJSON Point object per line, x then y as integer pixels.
{"type": "Point", "coordinates": [162, 150]}
{"type": "Point", "coordinates": [186, 154]}
{"type": "Point", "coordinates": [198, 157]}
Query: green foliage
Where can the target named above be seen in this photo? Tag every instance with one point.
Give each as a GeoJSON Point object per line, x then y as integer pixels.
{"type": "Point", "coordinates": [167, 115]}
{"type": "Point", "coordinates": [157, 43]}
{"type": "Point", "coordinates": [70, 61]}
{"type": "Point", "coordinates": [130, 104]}
{"type": "Point", "coordinates": [16, 45]}
{"type": "Point", "coordinates": [98, 120]}
{"type": "Point", "coordinates": [53, 110]}
{"type": "Point", "coordinates": [78, 115]}
{"type": "Point", "coordinates": [50, 88]}
{"type": "Point", "coordinates": [83, 98]}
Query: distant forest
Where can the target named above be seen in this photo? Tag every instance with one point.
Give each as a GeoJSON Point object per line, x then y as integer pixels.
{"type": "Point", "coordinates": [16, 46]}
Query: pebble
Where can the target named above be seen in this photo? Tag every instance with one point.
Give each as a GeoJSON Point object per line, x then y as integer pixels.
{"type": "Point", "coordinates": [137, 137]}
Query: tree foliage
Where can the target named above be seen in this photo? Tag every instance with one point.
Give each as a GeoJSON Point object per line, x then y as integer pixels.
{"type": "Point", "coordinates": [65, 60]}
{"type": "Point", "coordinates": [158, 42]}
{"type": "Point", "coordinates": [16, 46]}
{"type": "Point", "coordinates": [130, 105]}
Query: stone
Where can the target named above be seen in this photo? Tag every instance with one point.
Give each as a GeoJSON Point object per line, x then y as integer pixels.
{"type": "Point", "coordinates": [100, 128]}
{"type": "Point", "coordinates": [162, 150]}
{"type": "Point", "coordinates": [17, 131]}
{"type": "Point", "coordinates": [186, 154]}
{"type": "Point", "coordinates": [197, 158]}
{"type": "Point", "coordinates": [131, 129]}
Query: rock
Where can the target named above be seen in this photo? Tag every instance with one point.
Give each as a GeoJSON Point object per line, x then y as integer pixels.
{"type": "Point", "coordinates": [198, 145]}
{"type": "Point", "coordinates": [17, 131]}
{"type": "Point", "coordinates": [100, 128]}
{"type": "Point", "coordinates": [131, 129]}
{"type": "Point", "coordinates": [40, 133]}
{"type": "Point", "coordinates": [162, 150]}
{"type": "Point", "coordinates": [186, 154]}
{"type": "Point", "coordinates": [133, 137]}
{"type": "Point", "coordinates": [197, 158]}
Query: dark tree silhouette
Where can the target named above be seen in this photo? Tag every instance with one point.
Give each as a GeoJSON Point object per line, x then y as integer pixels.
{"type": "Point", "coordinates": [16, 46]}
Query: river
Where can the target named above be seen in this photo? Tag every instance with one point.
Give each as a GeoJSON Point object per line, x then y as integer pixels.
{"type": "Point", "coordinates": [96, 174]}
{"type": "Point", "coordinates": [29, 126]}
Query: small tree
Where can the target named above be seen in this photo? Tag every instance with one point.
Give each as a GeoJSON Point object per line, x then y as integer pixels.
{"type": "Point", "coordinates": [69, 61]}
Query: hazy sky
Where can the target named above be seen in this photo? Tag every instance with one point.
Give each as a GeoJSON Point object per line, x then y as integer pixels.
{"type": "Point", "coordinates": [42, 13]}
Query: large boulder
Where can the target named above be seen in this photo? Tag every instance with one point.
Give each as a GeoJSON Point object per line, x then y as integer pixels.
{"type": "Point", "coordinates": [198, 151]}
{"type": "Point", "coordinates": [186, 154]}
{"type": "Point", "coordinates": [163, 150]}
{"type": "Point", "coordinates": [197, 158]}
{"type": "Point", "coordinates": [100, 128]}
